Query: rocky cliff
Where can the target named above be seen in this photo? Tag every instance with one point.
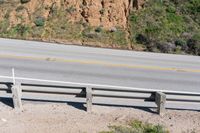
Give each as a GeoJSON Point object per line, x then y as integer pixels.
{"type": "Point", "coordinates": [104, 13]}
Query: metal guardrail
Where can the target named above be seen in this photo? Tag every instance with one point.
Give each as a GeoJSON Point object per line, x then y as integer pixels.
{"type": "Point", "coordinates": [28, 88]}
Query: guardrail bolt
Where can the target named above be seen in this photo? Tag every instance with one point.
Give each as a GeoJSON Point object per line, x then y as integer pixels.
{"type": "Point", "coordinates": [89, 99]}
{"type": "Point", "coordinates": [160, 100]}
{"type": "Point", "coordinates": [16, 96]}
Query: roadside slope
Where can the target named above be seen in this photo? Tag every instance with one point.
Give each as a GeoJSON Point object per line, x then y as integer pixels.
{"type": "Point", "coordinates": [159, 26]}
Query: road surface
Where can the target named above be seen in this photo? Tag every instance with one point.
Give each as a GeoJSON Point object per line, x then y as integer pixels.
{"type": "Point", "coordinates": [99, 66]}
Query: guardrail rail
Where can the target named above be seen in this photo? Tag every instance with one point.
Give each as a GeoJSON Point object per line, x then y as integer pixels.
{"type": "Point", "coordinates": [19, 88]}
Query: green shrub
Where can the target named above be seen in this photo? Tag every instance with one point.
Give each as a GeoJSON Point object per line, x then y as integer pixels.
{"type": "Point", "coordinates": [133, 18]}
{"type": "Point", "coordinates": [22, 29]}
{"type": "Point", "coordinates": [180, 42]}
{"type": "Point", "coordinates": [171, 9]}
{"type": "Point", "coordinates": [137, 127]}
{"type": "Point", "coordinates": [166, 47]}
{"type": "Point", "coordinates": [98, 29]}
{"type": "Point", "coordinates": [196, 37]}
{"type": "Point", "coordinates": [18, 31]}
{"type": "Point", "coordinates": [194, 6]}
{"type": "Point", "coordinates": [141, 39]}
{"type": "Point", "coordinates": [39, 21]}
{"type": "Point", "coordinates": [193, 46]}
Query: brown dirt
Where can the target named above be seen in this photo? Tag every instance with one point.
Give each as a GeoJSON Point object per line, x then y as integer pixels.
{"type": "Point", "coordinates": [62, 118]}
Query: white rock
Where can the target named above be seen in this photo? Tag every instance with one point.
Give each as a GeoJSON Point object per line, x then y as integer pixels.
{"type": "Point", "coordinates": [4, 120]}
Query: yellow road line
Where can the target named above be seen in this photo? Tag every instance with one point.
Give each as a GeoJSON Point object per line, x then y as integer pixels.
{"type": "Point", "coordinates": [93, 62]}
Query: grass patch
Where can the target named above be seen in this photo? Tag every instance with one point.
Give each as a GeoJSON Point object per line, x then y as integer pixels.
{"type": "Point", "coordinates": [137, 127]}
{"type": "Point", "coordinates": [58, 27]}
{"type": "Point", "coordinates": [4, 26]}
{"type": "Point", "coordinates": [19, 31]}
{"type": "Point", "coordinates": [117, 38]}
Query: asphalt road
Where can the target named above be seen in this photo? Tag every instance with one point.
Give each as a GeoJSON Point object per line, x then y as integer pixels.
{"type": "Point", "coordinates": [99, 66]}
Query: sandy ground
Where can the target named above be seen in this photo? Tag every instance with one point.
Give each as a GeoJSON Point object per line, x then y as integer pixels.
{"type": "Point", "coordinates": [40, 117]}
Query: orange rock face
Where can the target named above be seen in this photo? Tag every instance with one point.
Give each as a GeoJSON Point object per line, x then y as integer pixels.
{"type": "Point", "coordinates": [105, 13]}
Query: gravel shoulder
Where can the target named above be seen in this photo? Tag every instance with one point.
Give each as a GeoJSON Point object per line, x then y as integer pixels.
{"type": "Point", "coordinates": [39, 117]}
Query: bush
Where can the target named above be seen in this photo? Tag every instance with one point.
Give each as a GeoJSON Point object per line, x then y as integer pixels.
{"type": "Point", "coordinates": [22, 29]}
{"type": "Point", "coordinates": [133, 18]}
{"type": "Point", "coordinates": [193, 46]}
{"type": "Point", "coordinates": [194, 6]}
{"type": "Point", "coordinates": [152, 46]}
{"type": "Point", "coordinates": [196, 37]}
{"type": "Point", "coordinates": [39, 21]}
{"type": "Point", "coordinates": [166, 47]}
{"type": "Point", "coordinates": [171, 9]}
{"type": "Point", "coordinates": [180, 42]}
{"type": "Point", "coordinates": [141, 39]}
{"type": "Point", "coordinates": [18, 31]}
{"type": "Point", "coordinates": [98, 29]}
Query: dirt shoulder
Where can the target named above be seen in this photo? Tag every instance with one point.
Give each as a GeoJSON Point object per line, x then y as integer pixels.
{"type": "Point", "coordinates": [71, 118]}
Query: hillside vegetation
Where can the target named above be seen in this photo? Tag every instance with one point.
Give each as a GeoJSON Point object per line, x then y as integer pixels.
{"type": "Point", "coordinates": [169, 26]}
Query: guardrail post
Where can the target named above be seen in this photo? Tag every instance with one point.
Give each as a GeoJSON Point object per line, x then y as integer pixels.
{"type": "Point", "coordinates": [89, 98]}
{"type": "Point", "coordinates": [160, 100]}
{"type": "Point", "coordinates": [16, 96]}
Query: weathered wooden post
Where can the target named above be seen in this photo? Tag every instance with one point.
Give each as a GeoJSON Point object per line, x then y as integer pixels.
{"type": "Point", "coordinates": [89, 98]}
{"type": "Point", "coordinates": [16, 96]}
{"type": "Point", "coordinates": [160, 99]}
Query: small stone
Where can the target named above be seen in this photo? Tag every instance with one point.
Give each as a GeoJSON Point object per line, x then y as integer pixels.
{"type": "Point", "coordinates": [4, 120]}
